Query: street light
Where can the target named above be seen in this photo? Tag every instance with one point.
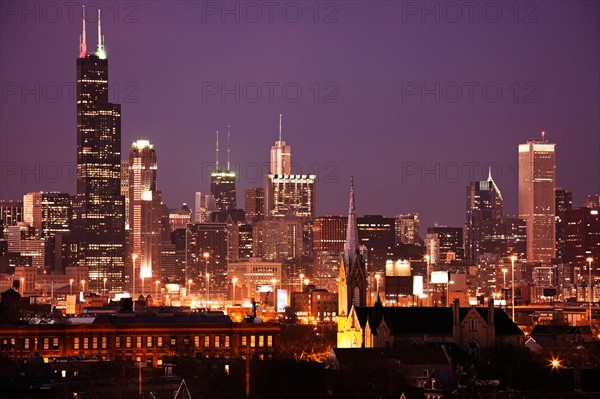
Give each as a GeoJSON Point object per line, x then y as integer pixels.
{"type": "Point", "coordinates": [190, 287]}
{"type": "Point", "coordinates": [104, 284]}
{"type": "Point", "coordinates": [512, 262]}
{"type": "Point", "coordinates": [22, 289]}
{"type": "Point", "coordinates": [589, 261]}
{"type": "Point", "coordinates": [428, 286]}
{"type": "Point", "coordinates": [234, 281]}
{"type": "Point", "coordinates": [83, 286]}
{"type": "Point", "coordinates": [71, 287]}
{"type": "Point", "coordinates": [207, 288]}
{"type": "Point", "coordinates": [504, 270]}
{"type": "Point", "coordinates": [205, 256]}
{"type": "Point", "coordinates": [301, 279]}
{"type": "Point", "coordinates": [134, 257]}
{"type": "Point", "coordinates": [377, 277]}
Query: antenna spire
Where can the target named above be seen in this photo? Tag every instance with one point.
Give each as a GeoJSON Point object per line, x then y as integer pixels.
{"type": "Point", "coordinates": [490, 173]}
{"type": "Point", "coordinates": [543, 135]}
{"type": "Point", "coordinates": [280, 127]}
{"type": "Point", "coordinates": [217, 164]}
{"type": "Point", "coordinates": [228, 147]}
{"type": "Point", "coordinates": [100, 52]}
{"type": "Point", "coordinates": [82, 44]}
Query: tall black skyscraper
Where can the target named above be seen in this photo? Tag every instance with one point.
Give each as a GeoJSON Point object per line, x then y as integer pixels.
{"type": "Point", "coordinates": [222, 183]}
{"type": "Point", "coordinates": [99, 209]}
{"type": "Point", "coordinates": [484, 202]}
{"type": "Point", "coordinates": [564, 202]}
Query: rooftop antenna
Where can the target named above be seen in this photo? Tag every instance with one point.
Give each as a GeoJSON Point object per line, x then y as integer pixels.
{"type": "Point", "coordinates": [490, 173]}
{"type": "Point", "coordinates": [543, 135]}
{"type": "Point", "coordinates": [228, 149]}
{"type": "Point", "coordinates": [217, 164]}
{"type": "Point", "coordinates": [82, 44]}
{"type": "Point", "coordinates": [280, 127]}
{"type": "Point", "coordinates": [100, 52]}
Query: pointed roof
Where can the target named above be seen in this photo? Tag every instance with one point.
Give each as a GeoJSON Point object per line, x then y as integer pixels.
{"type": "Point", "coordinates": [351, 245]}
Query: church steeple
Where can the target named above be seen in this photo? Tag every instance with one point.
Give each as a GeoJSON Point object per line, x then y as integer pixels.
{"type": "Point", "coordinates": [351, 244]}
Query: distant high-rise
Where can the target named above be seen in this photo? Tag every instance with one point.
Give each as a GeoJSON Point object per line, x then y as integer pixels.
{"type": "Point", "coordinates": [582, 236]}
{"type": "Point", "coordinates": [11, 212]}
{"type": "Point", "coordinates": [281, 156]}
{"type": "Point", "coordinates": [450, 241]}
{"type": "Point", "coordinates": [254, 202]}
{"type": "Point", "coordinates": [145, 209]}
{"type": "Point", "coordinates": [180, 218]}
{"type": "Point", "coordinates": [484, 202]}
{"type": "Point", "coordinates": [125, 189]}
{"type": "Point", "coordinates": [407, 228]}
{"type": "Point", "coordinates": [537, 179]}
{"type": "Point", "coordinates": [48, 212]}
{"type": "Point", "coordinates": [563, 203]}
{"type": "Point", "coordinates": [99, 209]}
{"type": "Point", "coordinates": [204, 205]}
{"type": "Point", "coordinates": [222, 183]}
{"type": "Point", "coordinates": [504, 237]}
{"type": "Point", "coordinates": [207, 253]}
{"type": "Point", "coordinates": [329, 236]}
{"type": "Point", "coordinates": [287, 194]}
{"type": "Point", "coordinates": [378, 235]}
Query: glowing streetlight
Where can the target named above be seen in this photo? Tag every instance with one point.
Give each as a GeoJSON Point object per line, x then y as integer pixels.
{"type": "Point", "coordinates": [589, 261]}
{"type": "Point", "coordinates": [512, 262]}
{"type": "Point", "coordinates": [104, 284]}
{"type": "Point", "coordinates": [234, 281]}
{"type": "Point", "coordinates": [190, 287]}
{"type": "Point", "coordinates": [22, 286]}
{"type": "Point", "coordinates": [83, 286]}
{"type": "Point", "coordinates": [428, 286]}
{"type": "Point", "coordinates": [377, 277]}
{"type": "Point", "coordinates": [504, 270]}
{"type": "Point", "coordinates": [555, 363]}
{"type": "Point", "coordinates": [301, 279]}
{"type": "Point", "coordinates": [134, 258]}
{"type": "Point", "coordinates": [156, 283]}
{"type": "Point", "coordinates": [205, 256]}
{"type": "Point", "coordinates": [71, 287]}
{"type": "Point", "coordinates": [207, 288]}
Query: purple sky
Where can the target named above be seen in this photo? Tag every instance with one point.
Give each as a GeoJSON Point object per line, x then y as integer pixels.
{"type": "Point", "coordinates": [374, 58]}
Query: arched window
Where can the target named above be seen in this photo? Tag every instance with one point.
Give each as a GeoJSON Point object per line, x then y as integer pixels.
{"type": "Point", "coordinates": [473, 348]}
{"type": "Point", "coordinates": [356, 296]}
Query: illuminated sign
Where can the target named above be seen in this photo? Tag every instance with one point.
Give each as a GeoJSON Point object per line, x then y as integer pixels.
{"type": "Point", "coordinates": [417, 285]}
{"type": "Point", "coordinates": [264, 288]}
{"type": "Point", "coordinates": [282, 300]}
{"type": "Point", "coordinates": [439, 277]}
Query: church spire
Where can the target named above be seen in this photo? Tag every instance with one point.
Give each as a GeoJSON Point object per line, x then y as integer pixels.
{"type": "Point", "coordinates": [82, 44]}
{"type": "Point", "coordinates": [351, 244]}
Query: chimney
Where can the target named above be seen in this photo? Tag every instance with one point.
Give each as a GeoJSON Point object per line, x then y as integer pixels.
{"type": "Point", "coordinates": [490, 319]}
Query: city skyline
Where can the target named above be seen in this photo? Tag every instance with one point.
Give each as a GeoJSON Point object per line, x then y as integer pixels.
{"type": "Point", "coordinates": [322, 134]}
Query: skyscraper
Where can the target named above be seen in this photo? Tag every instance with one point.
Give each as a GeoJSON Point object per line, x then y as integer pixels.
{"type": "Point", "coordinates": [329, 236]}
{"type": "Point", "coordinates": [563, 203]}
{"type": "Point", "coordinates": [407, 228]}
{"type": "Point", "coordinates": [99, 210]}
{"type": "Point", "coordinates": [281, 156]}
{"type": "Point", "coordinates": [222, 183]}
{"type": "Point", "coordinates": [537, 177]}
{"type": "Point", "coordinates": [204, 205]}
{"type": "Point", "coordinates": [378, 235]}
{"type": "Point", "coordinates": [145, 208]}
{"type": "Point", "coordinates": [48, 212]}
{"type": "Point", "coordinates": [287, 194]}
{"type": "Point", "coordinates": [484, 202]}
{"type": "Point", "coordinates": [450, 240]}
{"type": "Point", "coordinates": [254, 204]}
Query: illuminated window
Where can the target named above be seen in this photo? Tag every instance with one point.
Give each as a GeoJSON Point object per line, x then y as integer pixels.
{"type": "Point", "coordinates": [54, 343]}
{"type": "Point", "coordinates": [227, 341]}
{"type": "Point", "coordinates": [26, 344]}
{"type": "Point", "coordinates": [269, 341]}
{"type": "Point", "coordinates": [261, 341]}
{"type": "Point", "coordinates": [206, 341]}
{"type": "Point", "coordinates": [159, 342]}
{"type": "Point", "coordinates": [118, 343]}
{"type": "Point", "coordinates": [94, 342]}
{"type": "Point", "coordinates": [76, 343]}
{"type": "Point", "coordinates": [128, 342]}
{"type": "Point", "coordinates": [148, 342]}
{"type": "Point", "coordinates": [253, 341]}
{"type": "Point", "coordinates": [104, 342]}
{"type": "Point", "coordinates": [46, 343]}
{"type": "Point", "coordinates": [138, 342]}
{"type": "Point", "coordinates": [86, 343]}
{"type": "Point", "coordinates": [244, 341]}
{"type": "Point", "coordinates": [217, 341]}
{"type": "Point", "coordinates": [197, 341]}
{"type": "Point", "coordinates": [173, 340]}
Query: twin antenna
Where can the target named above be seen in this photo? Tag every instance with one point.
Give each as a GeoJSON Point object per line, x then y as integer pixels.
{"type": "Point", "coordinates": [82, 37]}
{"type": "Point", "coordinates": [228, 149]}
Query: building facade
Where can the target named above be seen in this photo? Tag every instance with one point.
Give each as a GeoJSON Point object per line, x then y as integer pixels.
{"type": "Point", "coordinates": [537, 180]}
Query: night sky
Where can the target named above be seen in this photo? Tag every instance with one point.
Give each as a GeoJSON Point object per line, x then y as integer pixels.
{"type": "Point", "coordinates": [504, 72]}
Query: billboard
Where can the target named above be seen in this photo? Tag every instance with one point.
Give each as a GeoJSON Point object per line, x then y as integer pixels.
{"type": "Point", "coordinates": [417, 285]}
{"type": "Point", "coordinates": [282, 300]}
{"type": "Point", "coordinates": [439, 277]}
